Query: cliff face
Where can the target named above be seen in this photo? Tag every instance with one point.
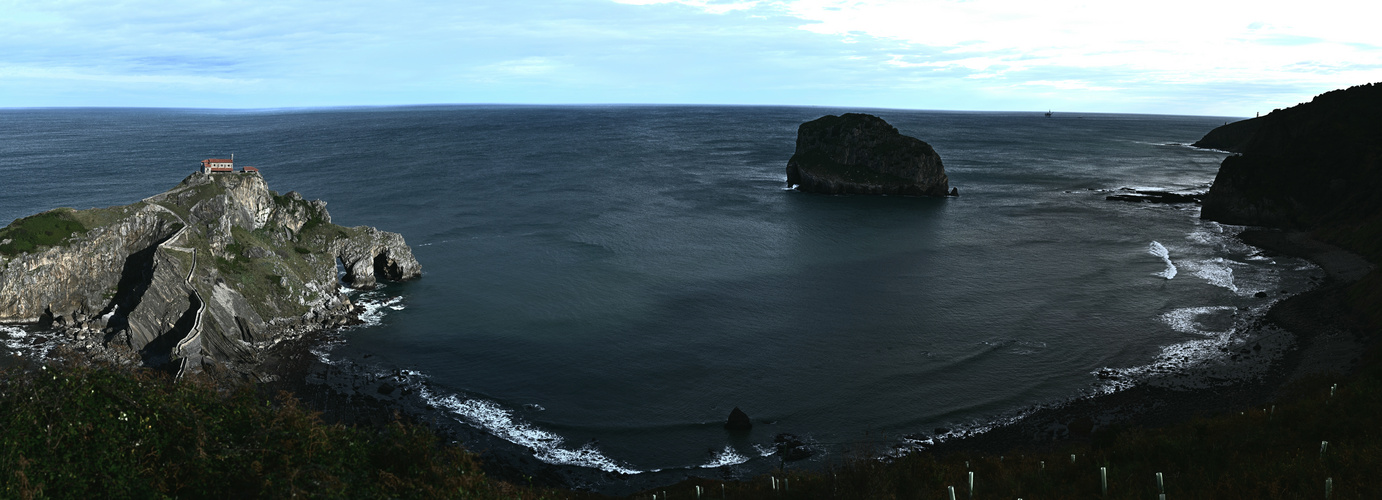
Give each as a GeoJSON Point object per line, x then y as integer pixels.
{"type": "Point", "coordinates": [1312, 165]}
{"type": "Point", "coordinates": [862, 154]}
{"type": "Point", "coordinates": [205, 275]}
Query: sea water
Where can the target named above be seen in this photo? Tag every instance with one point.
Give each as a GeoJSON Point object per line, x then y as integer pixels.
{"type": "Point", "coordinates": [602, 284]}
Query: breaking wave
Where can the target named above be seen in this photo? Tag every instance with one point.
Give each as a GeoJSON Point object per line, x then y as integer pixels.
{"type": "Point", "coordinates": [1160, 251]}
{"type": "Point", "coordinates": [546, 446]}
{"type": "Point", "coordinates": [724, 458]}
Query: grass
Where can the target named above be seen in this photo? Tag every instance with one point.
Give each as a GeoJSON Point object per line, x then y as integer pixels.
{"type": "Point", "coordinates": [35, 232]}
{"type": "Point", "coordinates": [71, 430]}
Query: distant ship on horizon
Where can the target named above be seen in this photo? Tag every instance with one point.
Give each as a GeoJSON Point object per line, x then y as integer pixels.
{"type": "Point", "coordinates": [1048, 113]}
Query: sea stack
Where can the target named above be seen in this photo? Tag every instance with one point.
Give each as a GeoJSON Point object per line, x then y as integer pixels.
{"type": "Point", "coordinates": [862, 154]}
{"type": "Point", "coordinates": [738, 420]}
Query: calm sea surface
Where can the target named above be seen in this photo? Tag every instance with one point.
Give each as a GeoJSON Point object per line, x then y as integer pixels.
{"type": "Point", "coordinates": [603, 284]}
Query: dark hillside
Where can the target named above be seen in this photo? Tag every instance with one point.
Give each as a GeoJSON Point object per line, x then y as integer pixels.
{"type": "Point", "coordinates": [1315, 166]}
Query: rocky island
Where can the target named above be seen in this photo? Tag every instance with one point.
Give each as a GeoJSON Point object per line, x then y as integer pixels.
{"type": "Point", "coordinates": [862, 154]}
{"type": "Point", "coordinates": [203, 277]}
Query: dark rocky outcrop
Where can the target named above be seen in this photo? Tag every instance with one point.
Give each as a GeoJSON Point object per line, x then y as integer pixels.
{"type": "Point", "coordinates": [1305, 167]}
{"type": "Point", "coordinates": [792, 448]}
{"type": "Point", "coordinates": [738, 420]}
{"type": "Point", "coordinates": [1153, 196]}
{"type": "Point", "coordinates": [862, 154]}
{"type": "Point", "coordinates": [204, 276]}
{"type": "Point", "coordinates": [1231, 137]}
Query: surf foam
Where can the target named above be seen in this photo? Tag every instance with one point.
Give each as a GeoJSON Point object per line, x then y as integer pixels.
{"type": "Point", "coordinates": [1160, 251]}
{"type": "Point", "coordinates": [724, 458]}
{"type": "Point", "coordinates": [547, 446]}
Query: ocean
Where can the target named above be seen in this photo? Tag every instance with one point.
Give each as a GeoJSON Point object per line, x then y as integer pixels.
{"type": "Point", "coordinates": [603, 284]}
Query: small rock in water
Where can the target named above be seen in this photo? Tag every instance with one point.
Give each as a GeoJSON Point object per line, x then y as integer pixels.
{"type": "Point", "coordinates": [792, 448]}
{"type": "Point", "coordinates": [738, 420]}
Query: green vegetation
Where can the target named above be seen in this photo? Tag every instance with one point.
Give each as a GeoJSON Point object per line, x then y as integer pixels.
{"type": "Point", "coordinates": [76, 431]}
{"type": "Point", "coordinates": [34, 232]}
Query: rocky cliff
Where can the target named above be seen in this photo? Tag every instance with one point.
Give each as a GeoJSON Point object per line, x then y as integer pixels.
{"type": "Point", "coordinates": [862, 154]}
{"type": "Point", "coordinates": [1316, 164]}
{"type": "Point", "coordinates": [202, 277]}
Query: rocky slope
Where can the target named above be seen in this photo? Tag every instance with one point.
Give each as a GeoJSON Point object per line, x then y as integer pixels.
{"type": "Point", "coordinates": [1313, 165]}
{"type": "Point", "coordinates": [862, 154]}
{"type": "Point", "coordinates": [202, 277]}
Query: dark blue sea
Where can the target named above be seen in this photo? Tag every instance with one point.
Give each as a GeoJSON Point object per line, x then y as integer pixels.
{"type": "Point", "coordinates": [602, 284]}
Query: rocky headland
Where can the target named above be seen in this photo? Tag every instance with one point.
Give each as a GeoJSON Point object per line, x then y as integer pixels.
{"type": "Point", "coordinates": [202, 278]}
{"type": "Point", "coordinates": [1317, 165]}
{"type": "Point", "coordinates": [862, 154]}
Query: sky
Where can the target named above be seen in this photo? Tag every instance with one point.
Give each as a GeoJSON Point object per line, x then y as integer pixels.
{"type": "Point", "coordinates": [1200, 57]}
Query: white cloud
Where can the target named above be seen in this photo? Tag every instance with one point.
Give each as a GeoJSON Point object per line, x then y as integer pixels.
{"type": "Point", "coordinates": [1166, 40]}
{"type": "Point", "coordinates": [710, 6]}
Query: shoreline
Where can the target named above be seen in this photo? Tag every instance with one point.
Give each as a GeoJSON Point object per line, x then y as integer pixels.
{"type": "Point", "coordinates": [1321, 342]}
{"type": "Point", "coordinates": [1324, 342]}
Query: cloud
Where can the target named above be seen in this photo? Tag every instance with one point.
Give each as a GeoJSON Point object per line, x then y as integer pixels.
{"type": "Point", "coordinates": [1163, 40]}
{"type": "Point", "coordinates": [709, 6]}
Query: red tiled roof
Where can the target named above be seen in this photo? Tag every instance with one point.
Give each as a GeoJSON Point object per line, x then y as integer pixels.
{"type": "Point", "coordinates": [251, 169]}
{"type": "Point", "coordinates": [217, 160]}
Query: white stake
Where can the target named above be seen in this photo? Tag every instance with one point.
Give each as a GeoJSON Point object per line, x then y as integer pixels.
{"type": "Point", "coordinates": [1103, 480]}
{"type": "Point", "coordinates": [1328, 487]}
{"type": "Point", "coordinates": [1160, 486]}
{"type": "Point", "coordinates": [1332, 388]}
{"type": "Point", "coordinates": [698, 492]}
{"type": "Point", "coordinates": [952, 492]}
{"type": "Point", "coordinates": [971, 484]}
{"type": "Point", "coordinates": [1043, 465]}
{"type": "Point", "coordinates": [1324, 445]}
{"type": "Point", "coordinates": [1072, 458]}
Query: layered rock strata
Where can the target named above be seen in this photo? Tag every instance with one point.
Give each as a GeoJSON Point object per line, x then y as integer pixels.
{"type": "Point", "coordinates": [862, 154]}
{"type": "Point", "coordinates": [204, 276]}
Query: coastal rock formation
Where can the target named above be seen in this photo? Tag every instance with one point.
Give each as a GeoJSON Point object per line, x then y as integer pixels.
{"type": "Point", "coordinates": [1231, 137]}
{"type": "Point", "coordinates": [862, 154]}
{"type": "Point", "coordinates": [738, 420]}
{"type": "Point", "coordinates": [1318, 163]}
{"type": "Point", "coordinates": [205, 275]}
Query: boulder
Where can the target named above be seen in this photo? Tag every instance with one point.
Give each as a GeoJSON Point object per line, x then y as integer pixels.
{"type": "Point", "coordinates": [792, 448]}
{"type": "Point", "coordinates": [738, 420]}
{"type": "Point", "coordinates": [862, 154]}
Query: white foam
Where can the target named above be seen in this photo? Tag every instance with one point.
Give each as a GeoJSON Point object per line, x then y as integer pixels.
{"type": "Point", "coordinates": [1186, 319]}
{"type": "Point", "coordinates": [724, 458]}
{"type": "Point", "coordinates": [24, 343]}
{"type": "Point", "coordinates": [14, 332]}
{"type": "Point", "coordinates": [1217, 272]}
{"type": "Point", "coordinates": [501, 422]}
{"type": "Point", "coordinates": [374, 305]}
{"type": "Point", "coordinates": [1160, 251]}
